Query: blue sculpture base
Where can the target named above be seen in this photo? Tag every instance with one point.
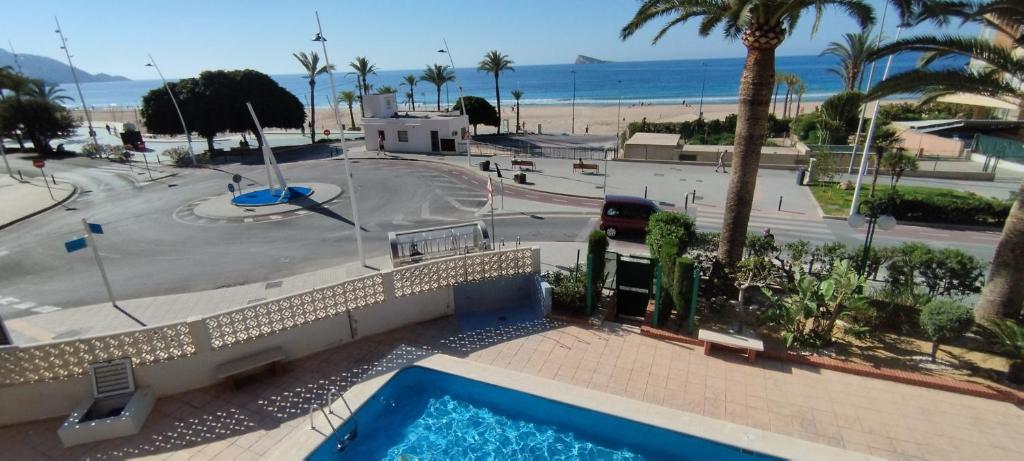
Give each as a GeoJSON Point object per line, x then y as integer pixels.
{"type": "Point", "coordinates": [264, 197]}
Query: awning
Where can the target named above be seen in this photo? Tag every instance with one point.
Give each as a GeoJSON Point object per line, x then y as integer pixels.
{"type": "Point", "coordinates": [983, 101]}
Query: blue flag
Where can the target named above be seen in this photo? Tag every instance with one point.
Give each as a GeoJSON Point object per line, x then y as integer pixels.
{"type": "Point", "coordinates": [95, 228]}
{"type": "Point", "coordinates": [75, 245]}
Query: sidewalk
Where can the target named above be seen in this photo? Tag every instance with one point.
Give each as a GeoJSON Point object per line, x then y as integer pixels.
{"type": "Point", "coordinates": [24, 199]}
{"type": "Point", "coordinates": [102, 318]}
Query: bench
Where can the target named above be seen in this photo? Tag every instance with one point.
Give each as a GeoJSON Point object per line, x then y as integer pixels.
{"type": "Point", "coordinates": [584, 167]}
{"type": "Point", "coordinates": [524, 164]}
{"type": "Point", "coordinates": [734, 341]}
{"type": "Point", "coordinates": [270, 357]}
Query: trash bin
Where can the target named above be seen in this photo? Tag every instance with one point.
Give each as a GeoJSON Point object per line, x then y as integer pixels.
{"type": "Point", "coordinates": [485, 165]}
{"type": "Point", "coordinates": [520, 178]}
{"type": "Point", "coordinates": [800, 174]}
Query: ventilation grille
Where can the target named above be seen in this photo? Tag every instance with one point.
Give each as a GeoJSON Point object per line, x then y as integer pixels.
{"type": "Point", "coordinates": [112, 378]}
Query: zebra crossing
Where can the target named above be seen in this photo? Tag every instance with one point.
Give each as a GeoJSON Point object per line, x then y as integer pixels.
{"type": "Point", "coordinates": [785, 226]}
{"type": "Point", "coordinates": [12, 304]}
{"type": "Point", "coordinates": [449, 196]}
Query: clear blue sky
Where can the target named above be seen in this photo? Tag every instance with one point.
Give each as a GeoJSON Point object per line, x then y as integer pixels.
{"type": "Point", "coordinates": [188, 36]}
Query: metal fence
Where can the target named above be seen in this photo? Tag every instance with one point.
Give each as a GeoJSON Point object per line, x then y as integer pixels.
{"type": "Point", "coordinates": [528, 150]}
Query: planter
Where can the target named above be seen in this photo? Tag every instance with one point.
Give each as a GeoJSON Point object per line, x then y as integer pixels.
{"type": "Point", "coordinates": [1015, 374]}
{"type": "Point", "coordinates": [485, 165]}
{"type": "Point", "coordinates": [520, 178]}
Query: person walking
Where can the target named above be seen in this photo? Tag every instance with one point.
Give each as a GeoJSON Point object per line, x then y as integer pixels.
{"type": "Point", "coordinates": [767, 234]}
{"type": "Point", "coordinates": [108, 128]}
{"type": "Point", "coordinates": [380, 142]}
{"type": "Point", "coordinates": [721, 161]}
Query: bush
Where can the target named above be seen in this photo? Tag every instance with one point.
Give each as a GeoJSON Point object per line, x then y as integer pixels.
{"type": "Point", "coordinates": [179, 156]}
{"type": "Point", "coordinates": [944, 319]}
{"type": "Point", "coordinates": [946, 206]}
{"type": "Point", "coordinates": [568, 290]}
{"type": "Point", "coordinates": [701, 131]}
{"type": "Point", "coordinates": [682, 284]}
{"type": "Point", "coordinates": [667, 226]}
{"type": "Point", "coordinates": [94, 150]}
{"type": "Point", "coordinates": [809, 315]}
{"type": "Point", "coordinates": [597, 247]}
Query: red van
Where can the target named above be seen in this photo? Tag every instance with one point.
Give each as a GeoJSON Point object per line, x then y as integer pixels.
{"type": "Point", "coordinates": [625, 214]}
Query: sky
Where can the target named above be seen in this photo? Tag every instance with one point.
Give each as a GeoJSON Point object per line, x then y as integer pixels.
{"type": "Point", "coordinates": [189, 36]}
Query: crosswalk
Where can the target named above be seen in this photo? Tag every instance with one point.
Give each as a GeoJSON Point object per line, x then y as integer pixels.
{"type": "Point", "coordinates": [12, 304]}
{"type": "Point", "coordinates": [785, 226]}
{"type": "Point", "coordinates": [449, 196]}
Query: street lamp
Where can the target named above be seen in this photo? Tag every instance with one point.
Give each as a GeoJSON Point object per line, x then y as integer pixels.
{"type": "Point", "coordinates": [873, 220]}
{"type": "Point", "coordinates": [462, 104]}
{"type": "Point", "coordinates": [330, 73]}
{"type": "Point", "coordinates": [618, 132]}
{"type": "Point", "coordinates": [78, 86]}
{"type": "Point", "coordinates": [703, 78]}
{"type": "Point", "coordinates": [573, 128]}
{"type": "Point", "coordinates": [181, 118]}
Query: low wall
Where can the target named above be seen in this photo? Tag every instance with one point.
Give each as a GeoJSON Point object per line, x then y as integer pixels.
{"type": "Point", "coordinates": [49, 379]}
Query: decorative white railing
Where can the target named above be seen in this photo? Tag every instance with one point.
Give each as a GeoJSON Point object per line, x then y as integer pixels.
{"type": "Point", "coordinates": [70, 358]}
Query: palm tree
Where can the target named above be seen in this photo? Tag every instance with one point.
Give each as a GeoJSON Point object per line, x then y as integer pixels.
{"type": "Point", "coordinates": [853, 55]}
{"type": "Point", "coordinates": [799, 89]}
{"type": "Point", "coordinates": [386, 89]}
{"type": "Point", "coordinates": [790, 80]}
{"type": "Point", "coordinates": [362, 69]}
{"type": "Point", "coordinates": [311, 64]}
{"type": "Point", "coordinates": [495, 63]}
{"type": "Point", "coordinates": [53, 93]}
{"type": "Point", "coordinates": [761, 25]}
{"type": "Point", "coordinates": [349, 98]}
{"type": "Point", "coordinates": [438, 74]}
{"type": "Point", "coordinates": [998, 75]}
{"type": "Point", "coordinates": [518, 94]}
{"type": "Point", "coordinates": [410, 80]}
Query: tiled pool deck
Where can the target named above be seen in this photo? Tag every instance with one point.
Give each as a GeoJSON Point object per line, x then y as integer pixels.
{"type": "Point", "coordinates": [883, 418]}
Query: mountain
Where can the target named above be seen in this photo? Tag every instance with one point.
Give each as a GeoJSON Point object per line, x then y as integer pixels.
{"type": "Point", "coordinates": [580, 59]}
{"type": "Point", "coordinates": [52, 70]}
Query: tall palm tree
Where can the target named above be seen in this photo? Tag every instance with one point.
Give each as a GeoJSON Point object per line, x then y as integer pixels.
{"type": "Point", "coordinates": [349, 98]}
{"type": "Point", "coordinates": [789, 80]}
{"type": "Point", "coordinates": [761, 25]}
{"type": "Point", "coordinates": [362, 69]}
{"type": "Point", "coordinates": [998, 76]}
{"type": "Point", "coordinates": [496, 63]}
{"type": "Point", "coordinates": [386, 89]}
{"type": "Point", "coordinates": [853, 54]}
{"type": "Point", "coordinates": [53, 93]}
{"type": "Point", "coordinates": [799, 89]}
{"type": "Point", "coordinates": [311, 64]}
{"type": "Point", "coordinates": [411, 81]}
{"type": "Point", "coordinates": [518, 94]}
{"type": "Point", "coordinates": [438, 74]}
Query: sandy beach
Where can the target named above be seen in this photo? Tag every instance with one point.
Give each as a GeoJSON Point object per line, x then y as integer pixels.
{"type": "Point", "coordinates": [600, 119]}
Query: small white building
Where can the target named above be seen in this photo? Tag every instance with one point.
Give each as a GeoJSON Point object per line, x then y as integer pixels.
{"type": "Point", "coordinates": [413, 132]}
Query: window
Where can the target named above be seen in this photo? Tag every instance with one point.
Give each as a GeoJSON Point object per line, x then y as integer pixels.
{"type": "Point", "coordinates": [403, 136]}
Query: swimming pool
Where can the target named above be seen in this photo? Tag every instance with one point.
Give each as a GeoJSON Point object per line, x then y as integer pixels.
{"type": "Point", "coordinates": [425, 414]}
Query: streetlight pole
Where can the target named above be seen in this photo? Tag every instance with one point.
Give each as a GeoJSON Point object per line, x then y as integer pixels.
{"type": "Point", "coordinates": [618, 141]}
{"type": "Point", "coordinates": [462, 104]}
{"type": "Point", "coordinates": [181, 118]}
{"type": "Point", "coordinates": [703, 79]}
{"type": "Point", "coordinates": [873, 221]}
{"type": "Point", "coordinates": [330, 73]}
{"type": "Point", "coordinates": [871, 76]}
{"type": "Point", "coordinates": [573, 127]}
{"type": "Point", "coordinates": [78, 86]}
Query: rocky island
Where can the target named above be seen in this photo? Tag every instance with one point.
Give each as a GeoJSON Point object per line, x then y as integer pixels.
{"type": "Point", "coordinates": [581, 59]}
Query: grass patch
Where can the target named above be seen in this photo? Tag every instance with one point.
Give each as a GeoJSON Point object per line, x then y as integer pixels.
{"type": "Point", "coordinates": [917, 203]}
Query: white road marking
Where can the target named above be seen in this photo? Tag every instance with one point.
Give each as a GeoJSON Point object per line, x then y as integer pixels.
{"type": "Point", "coordinates": [8, 300]}
{"type": "Point", "coordinates": [45, 309]}
{"type": "Point", "coordinates": [4, 252]}
{"type": "Point", "coordinates": [247, 220]}
{"type": "Point", "coordinates": [24, 305]}
{"type": "Point", "coordinates": [302, 212]}
{"type": "Point", "coordinates": [275, 217]}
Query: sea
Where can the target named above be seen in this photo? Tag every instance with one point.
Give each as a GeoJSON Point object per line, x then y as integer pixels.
{"type": "Point", "coordinates": [650, 82]}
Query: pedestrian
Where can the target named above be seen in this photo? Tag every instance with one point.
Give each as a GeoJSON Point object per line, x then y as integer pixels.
{"type": "Point", "coordinates": [380, 142]}
{"type": "Point", "coordinates": [108, 128]}
{"type": "Point", "coordinates": [767, 234]}
{"type": "Point", "coordinates": [586, 129]}
{"type": "Point", "coordinates": [721, 161]}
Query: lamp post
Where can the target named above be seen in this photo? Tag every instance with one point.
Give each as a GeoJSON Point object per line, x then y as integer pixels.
{"type": "Point", "coordinates": [78, 86]}
{"type": "Point", "coordinates": [330, 72]}
{"type": "Point", "coordinates": [703, 79]}
{"type": "Point", "coordinates": [573, 127]}
{"type": "Point", "coordinates": [618, 142]}
{"type": "Point", "coordinates": [462, 104]}
{"type": "Point", "coordinates": [181, 118]}
{"type": "Point", "coordinates": [873, 221]}
{"type": "Point", "coordinates": [871, 76]}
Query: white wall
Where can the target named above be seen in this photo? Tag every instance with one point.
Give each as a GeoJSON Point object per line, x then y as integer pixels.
{"type": "Point", "coordinates": [419, 133]}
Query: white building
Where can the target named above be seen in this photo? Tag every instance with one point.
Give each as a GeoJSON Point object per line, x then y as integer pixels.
{"type": "Point", "coordinates": [414, 132]}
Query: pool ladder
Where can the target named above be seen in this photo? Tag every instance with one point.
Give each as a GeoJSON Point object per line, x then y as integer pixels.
{"type": "Point", "coordinates": [342, 442]}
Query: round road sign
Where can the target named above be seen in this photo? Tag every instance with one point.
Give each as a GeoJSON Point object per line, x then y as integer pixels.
{"type": "Point", "coordinates": [231, 187]}
{"type": "Point", "coordinates": [38, 163]}
{"type": "Point", "coordinates": [327, 132]}
{"type": "Point", "coordinates": [236, 178]}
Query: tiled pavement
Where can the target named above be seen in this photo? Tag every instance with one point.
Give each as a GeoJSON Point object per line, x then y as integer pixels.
{"type": "Point", "coordinates": [887, 419]}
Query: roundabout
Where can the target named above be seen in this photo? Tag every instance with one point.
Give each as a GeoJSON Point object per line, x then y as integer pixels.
{"type": "Point", "coordinates": [304, 197]}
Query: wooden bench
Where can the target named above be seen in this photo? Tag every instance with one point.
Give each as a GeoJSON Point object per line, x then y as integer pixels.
{"type": "Point", "coordinates": [734, 341]}
{"type": "Point", "coordinates": [524, 164]}
{"type": "Point", "coordinates": [250, 363]}
{"type": "Point", "coordinates": [584, 167]}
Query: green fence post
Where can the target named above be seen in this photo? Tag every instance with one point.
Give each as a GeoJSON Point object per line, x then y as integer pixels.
{"type": "Point", "coordinates": [691, 320]}
{"type": "Point", "coordinates": [656, 321]}
{"type": "Point", "coordinates": [590, 284]}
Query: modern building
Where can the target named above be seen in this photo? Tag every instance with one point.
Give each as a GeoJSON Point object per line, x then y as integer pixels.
{"type": "Point", "coordinates": [412, 132]}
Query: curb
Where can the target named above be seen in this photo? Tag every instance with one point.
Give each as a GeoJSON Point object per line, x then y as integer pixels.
{"type": "Point", "coordinates": [931, 225]}
{"type": "Point", "coordinates": [73, 194]}
{"type": "Point", "coordinates": [956, 386]}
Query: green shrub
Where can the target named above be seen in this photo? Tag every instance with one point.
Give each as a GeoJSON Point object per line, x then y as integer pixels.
{"type": "Point", "coordinates": [667, 226]}
{"type": "Point", "coordinates": [804, 125]}
{"type": "Point", "coordinates": [597, 248]}
{"type": "Point", "coordinates": [568, 290]}
{"type": "Point", "coordinates": [946, 206]}
{"type": "Point", "coordinates": [682, 283]}
{"type": "Point", "coordinates": [944, 319]}
{"type": "Point", "coordinates": [809, 315]}
{"type": "Point", "coordinates": [1006, 335]}
{"type": "Point", "coordinates": [94, 150]}
{"type": "Point", "coordinates": [179, 156]}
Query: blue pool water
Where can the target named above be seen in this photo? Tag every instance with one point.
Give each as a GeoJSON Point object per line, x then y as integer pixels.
{"type": "Point", "coordinates": [423, 414]}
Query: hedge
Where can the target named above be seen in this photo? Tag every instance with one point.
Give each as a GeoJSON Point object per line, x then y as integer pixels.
{"type": "Point", "coordinates": [944, 206]}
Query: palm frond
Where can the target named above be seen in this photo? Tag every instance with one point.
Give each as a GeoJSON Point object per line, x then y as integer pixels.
{"type": "Point", "coordinates": [932, 84]}
{"type": "Point", "coordinates": [939, 47]}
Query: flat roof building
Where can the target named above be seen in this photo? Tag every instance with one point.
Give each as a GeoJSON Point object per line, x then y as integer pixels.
{"type": "Point", "coordinates": [412, 132]}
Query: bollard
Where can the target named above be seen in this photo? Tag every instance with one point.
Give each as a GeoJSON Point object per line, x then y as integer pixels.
{"type": "Point", "coordinates": [20, 177]}
{"type": "Point", "coordinates": [686, 202]}
{"type": "Point", "coordinates": [780, 203]}
{"type": "Point", "coordinates": [645, 191]}
{"type": "Point", "coordinates": [52, 179]}
{"type": "Point", "coordinates": [694, 196]}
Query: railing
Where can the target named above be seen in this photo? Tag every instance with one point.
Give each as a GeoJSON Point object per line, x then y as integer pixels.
{"type": "Point", "coordinates": [528, 150]}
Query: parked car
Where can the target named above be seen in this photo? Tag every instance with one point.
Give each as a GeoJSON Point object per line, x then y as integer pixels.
{"type": "Point", "coordinates": [625, 214]}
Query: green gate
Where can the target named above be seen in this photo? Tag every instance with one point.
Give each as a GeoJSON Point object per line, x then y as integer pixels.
{"type": "Point", "coordinates": [634, 285]}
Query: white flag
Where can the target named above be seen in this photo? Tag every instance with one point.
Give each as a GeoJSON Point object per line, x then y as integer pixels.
{"type": "Point", "coordinates": [490, 191]}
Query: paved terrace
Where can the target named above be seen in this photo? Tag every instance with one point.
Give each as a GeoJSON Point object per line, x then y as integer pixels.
{"type": "Point", "coordinates": [883, 418]}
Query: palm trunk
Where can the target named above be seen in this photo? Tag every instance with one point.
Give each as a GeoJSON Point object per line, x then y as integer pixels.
{"type": "Point", "coordinates": [785, 103]}
{"type": "Point", "coordinates": [312, 110]}
{"type": "Point", "coordinates": [497, 96]}
{"type": "Point", "coordinates": [799, 97]}
{"type": "Point", "coordinates": [752, 122]}
{"type": "Point", "coordinates": [351, 116]}
{"type": "Point", "coordinates": [209, 145]}
{"type": "Point", "coordinates": [517, 116]}
{"type": "Point", "coordinates": [359, 86]}
{"type": "Point", "coordinates": [439, 98]}
{"type": "Point", "coordinates": [775, 99]}
{"type": "Point", "coordinates": [1003, 295]}
{"type": "Point", "coordinates": [412, 97]}
{"type": "Point", "coordinates": [874, 179]}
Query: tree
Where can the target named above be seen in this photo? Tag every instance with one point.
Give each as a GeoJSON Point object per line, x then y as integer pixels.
{"type": "Point", "coordinates": [495, 63]}
{"type": "Point", "coordinates": [349, 98]}
{"type": "Point", "coordinates": [887, 139]}
{"type": "Point", "coordinates": [311, 65]}
{"type": "Point", "coordinates": [362, 69]}
{"type": "Point", "coordinates": [943, 320]}
{"type": "Point", "coordinates": [790, 80]}
{"type": "Point", "coordinates": [39, 120]}
{"type": "Point", "coordinates": [853, 55]}
{"type": "Point", "coordinates": [438, 74]}
{"type": "Point", "coordinates": [410, 80]}
{"type": "Point", "coordinates": [898, 163]}
{"type": "Point", "coordinates": [839, 116]}
{"type": "Point", "coordinates": [386, 89]}
{"type": "Point", "coordinates": [799, 89]}
{"type": "Point", "coordinates": [53, 93]}
{"type": "Point", "coordinates": [1000, 67]}
{"type": "Point", "coordinates": [518, 94]}
{"type": "Point", "coordinates": [761, 25]}
{"type": "Point", "coordinates": [479, 111]}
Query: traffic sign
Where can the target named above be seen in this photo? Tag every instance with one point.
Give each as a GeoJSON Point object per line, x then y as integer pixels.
{"type": "Point", "coordinates": [231, 187]}
{"type": "Point", "coordinates": [38, 163]}
{"type": "Point", "coordinates": [75, 245]}
{"type": "Point", "coordinates": [95, 228]}
{"type": "Point", "coordinates": [327, 132]}
{"type": "Point", "coordinates": [236, 178]}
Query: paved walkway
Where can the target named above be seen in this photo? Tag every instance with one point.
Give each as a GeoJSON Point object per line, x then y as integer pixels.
{"type": "Point", "coordinates": [883, 418]}
{"type": "Point", "coordinates": [23, 199]}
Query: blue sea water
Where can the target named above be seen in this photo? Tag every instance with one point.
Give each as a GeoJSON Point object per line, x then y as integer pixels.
{"type": "Point", "coordinates": [423, 414]}
{"type": "Point", "coordinates": [656, 82]}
